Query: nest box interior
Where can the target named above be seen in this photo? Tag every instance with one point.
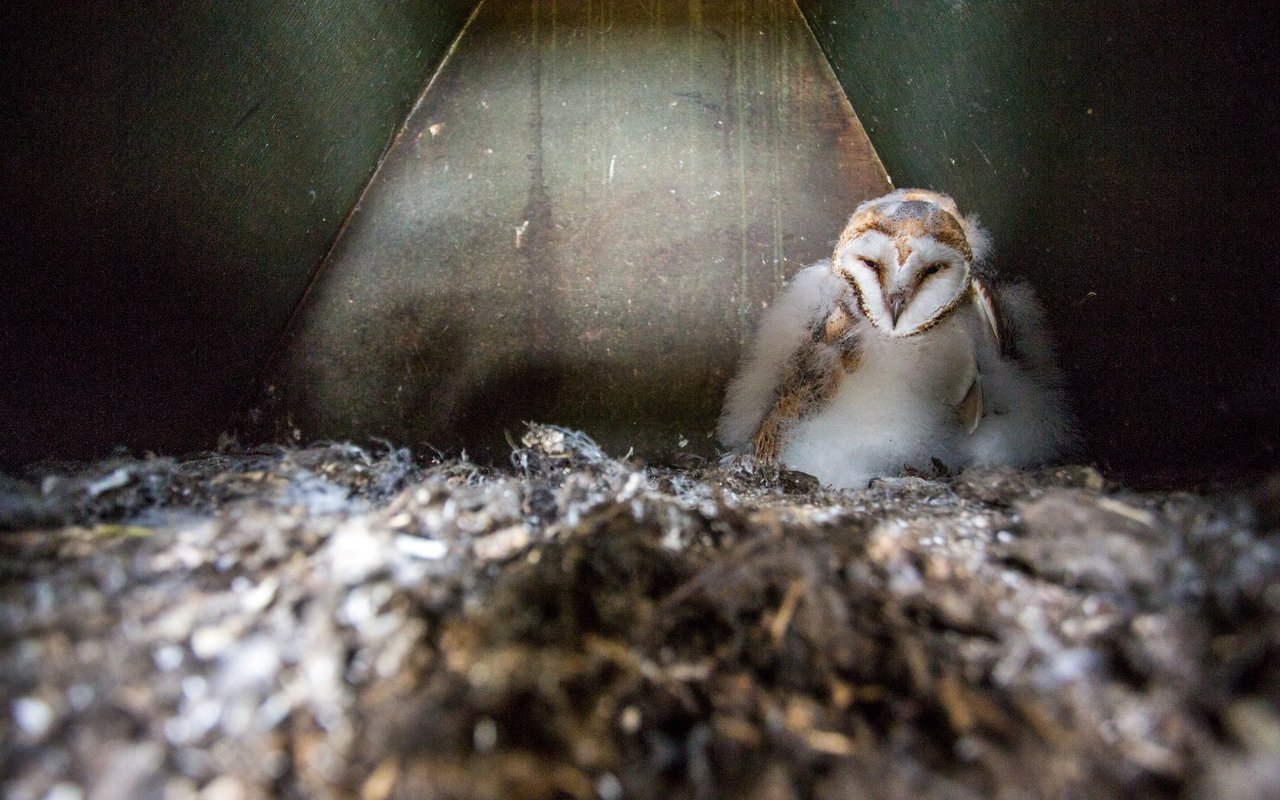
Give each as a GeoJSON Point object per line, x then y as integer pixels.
{"type": "Point", "coordinates": [428, 222]}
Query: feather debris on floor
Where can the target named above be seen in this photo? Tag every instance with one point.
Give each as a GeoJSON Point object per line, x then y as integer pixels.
{"type": "Point", "coordinates": [342, 622]}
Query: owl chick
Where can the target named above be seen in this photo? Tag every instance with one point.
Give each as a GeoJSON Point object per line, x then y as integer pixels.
{"type": "Point", "coordinates": [899, 353]}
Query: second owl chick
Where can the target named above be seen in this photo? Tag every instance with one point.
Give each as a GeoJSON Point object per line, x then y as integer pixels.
{"type": "Point", "coordinates": [898, 352]}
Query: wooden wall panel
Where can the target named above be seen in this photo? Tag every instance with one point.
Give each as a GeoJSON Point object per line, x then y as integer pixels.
{"type": "Point", "coordinates": [584, 217]}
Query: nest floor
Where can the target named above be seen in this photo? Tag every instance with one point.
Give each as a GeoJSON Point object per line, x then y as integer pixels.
{"type": "Point", "coordinates": [340, 622]}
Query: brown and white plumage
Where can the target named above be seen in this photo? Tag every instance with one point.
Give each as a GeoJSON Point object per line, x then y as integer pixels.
{"type": "Point", "coordinates": [900, 352]}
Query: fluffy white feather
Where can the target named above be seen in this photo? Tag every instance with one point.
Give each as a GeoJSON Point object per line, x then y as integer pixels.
{"type": "Point", "coordinates": [785, 325]}
{"type": "Point", "coordinates": [1027, 420]}
{"type": "Point", "coordinates": [899, 400]}
{"type": "Point", "coordinates": [897, 410]}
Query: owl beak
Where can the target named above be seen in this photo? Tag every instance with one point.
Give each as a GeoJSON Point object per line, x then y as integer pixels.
{"type": "Point", "coordinates": [895, 303]}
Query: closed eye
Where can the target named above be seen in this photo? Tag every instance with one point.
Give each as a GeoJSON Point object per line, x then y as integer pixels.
{"type": "Point", "coordinates": [932, 269]}
{"type": "Point", "coordinates": [874, 266]}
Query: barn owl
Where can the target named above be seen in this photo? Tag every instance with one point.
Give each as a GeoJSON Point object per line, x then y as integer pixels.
{"type": "Point", "coordinates": [901, 352]}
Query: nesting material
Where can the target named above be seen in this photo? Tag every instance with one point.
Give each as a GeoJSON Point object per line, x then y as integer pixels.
{"type": "Point", "coordinates": [347, 623]}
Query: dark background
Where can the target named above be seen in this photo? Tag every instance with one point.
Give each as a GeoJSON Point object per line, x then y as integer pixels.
{"type": "Point", "coordinates": [172, 176]}
{"type": "Point", "coordinates": [1124, 156]}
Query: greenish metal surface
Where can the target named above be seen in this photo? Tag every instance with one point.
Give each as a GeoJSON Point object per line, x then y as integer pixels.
{"type": "Point", "coordinates": [583, 217]}
{"type": "Point", "coordinates": [172, 174]}
{"type": "Point", "coordinates": [1124, 156]}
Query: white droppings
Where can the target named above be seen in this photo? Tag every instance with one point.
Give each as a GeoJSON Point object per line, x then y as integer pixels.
{"type": "Point", "coordinates": [79, 696]}
{"type": "Point", "coordinates": [629, 720]}
{"type": "Point", "coordinates": [33, 716]}
{"type": "Point", "coordinates": [211, 640]}
{"type": "Point", "coordinates": [168, 658]}
{"type": "Point", "coordinates": [608, 787]}
{"type": "Point", "coordinates": [1064, 667]}
{"type": "Point", "coordinates": [905, 579]}
{"type": "Point", "coordinates": [201, 718]}
{"type": "Point", "coordinates": [260, 595]}
{"type": "Point", "coordinates": [106, 483]}
{"type": "Point", "coordinates": [355, 552]}
{"type": "Point", "coordinates": [635, 483]}
{"type": "Point", "coordinates": [274, 711]}
{"type": "Point", "coordinates": [484, 736]}
{"type": "Point", "coordinates": [671, 539]}
{"type": "Point", "coordinates": [194, 687]}
{"type": "Point", "coordinates": [418, 547]}
{"type": "Point", "coordinates": [64, 791]}
{"type": "Point", "coordinates": [225, 787]}
{"type": "Point", "coordinates": [251, 664]}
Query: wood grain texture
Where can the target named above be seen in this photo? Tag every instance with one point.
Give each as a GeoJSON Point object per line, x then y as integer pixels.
{"type": "Point", "coordinates": [585, 213]}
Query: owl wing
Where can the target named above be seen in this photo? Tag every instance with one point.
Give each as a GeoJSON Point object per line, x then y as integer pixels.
{"type": "Point", "coordinates": [804, 344]}
{"type": "Point", "coordinates": [972, 406]}
{"type": "Point", "coordinates": [1031, 422]}
{"type": "Point", "coordinates": [993, 311]}
{"type": "Point", "coordinates": [809, 379]}
{"type": "Point", "coordinates": [990, 307]}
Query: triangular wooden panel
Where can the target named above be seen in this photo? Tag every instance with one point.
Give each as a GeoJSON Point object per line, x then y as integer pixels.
{"type": "Point", "coordinates": [583, 217]}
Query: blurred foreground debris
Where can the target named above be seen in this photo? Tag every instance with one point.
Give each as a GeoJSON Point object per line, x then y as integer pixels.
{"type": "Point", "coordinates": [335, 622]}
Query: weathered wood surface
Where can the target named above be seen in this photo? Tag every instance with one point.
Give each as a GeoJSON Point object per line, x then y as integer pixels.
{"type": "Point", "coordinates": [578, 224]}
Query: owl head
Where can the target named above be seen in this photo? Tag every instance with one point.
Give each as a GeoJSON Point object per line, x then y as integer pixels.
{"type": "Point", "coordinates": [909, 258]}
